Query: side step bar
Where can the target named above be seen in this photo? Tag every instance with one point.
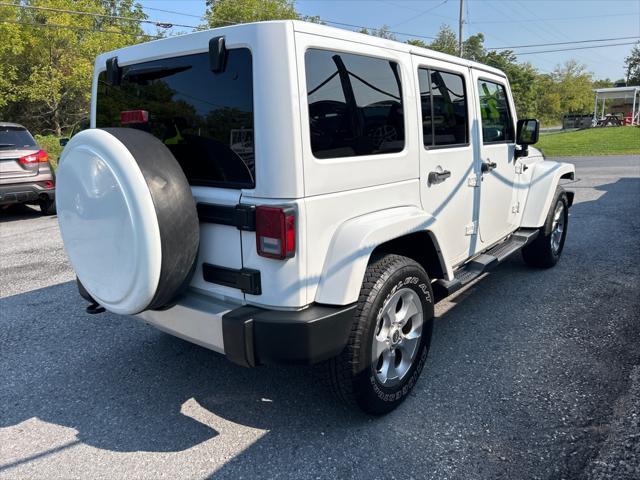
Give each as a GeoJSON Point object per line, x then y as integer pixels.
{"type": "Point", "coordinates": [484, 262]}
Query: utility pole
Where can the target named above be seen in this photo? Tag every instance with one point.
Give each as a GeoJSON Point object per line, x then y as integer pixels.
{"type": "Point", "coordinates": [460, 27]}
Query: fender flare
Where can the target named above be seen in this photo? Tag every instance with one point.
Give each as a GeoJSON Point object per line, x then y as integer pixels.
{"type": "Point", "coordinates": [352, 245]}
{"type": "Point", "coordinates": [544, 181]}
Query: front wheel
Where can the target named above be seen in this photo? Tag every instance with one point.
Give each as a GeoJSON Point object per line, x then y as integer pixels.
{"type": "Point", "coordinates": [390, 337]}
{"type": "Point", "coordinates": [545, 250]}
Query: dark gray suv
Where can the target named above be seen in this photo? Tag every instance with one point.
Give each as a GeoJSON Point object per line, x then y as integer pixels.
{"type": "Point", "coordinates": [26, 176]}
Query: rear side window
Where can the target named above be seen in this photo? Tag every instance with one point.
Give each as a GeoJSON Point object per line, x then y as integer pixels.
{"type": "Point", "coordinates": [204, 118]}
{"type": "Point", "coordinates": [497, 126]}
{"type": "Point", "coordinates": [444, 108]}
{"type": "Point", "coordinates": [15, 138]}
{"type": "Point", "coordinates": [355, 104]}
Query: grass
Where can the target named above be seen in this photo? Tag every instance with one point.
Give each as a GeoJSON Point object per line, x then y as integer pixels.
{"type": "Point", "coordinates": [593, 141]}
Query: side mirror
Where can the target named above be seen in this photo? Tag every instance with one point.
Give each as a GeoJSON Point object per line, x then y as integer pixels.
{"type": "Point", "coordinates": [527, 133]}
{"type": "Point", "coordinates": [63, 141]}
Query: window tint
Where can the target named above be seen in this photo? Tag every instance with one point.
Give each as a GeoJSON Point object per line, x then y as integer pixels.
{"type": "Point", "coordinates": [444, 108]}
{"type": "Point", "coordinates": [497, 125]}
{"type": "Point", "coordinates": [355, 104]}
{"type": "Point", "coordinates": [205, 119]}
{"type": "Point", "coordinates": [15, 138]}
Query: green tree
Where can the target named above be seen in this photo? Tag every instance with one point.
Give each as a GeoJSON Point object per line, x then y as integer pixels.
{"type": "Point", "coordinates": [50, 61]}
{"type": "Point", "coordinates": [473, 48]}
{"type": "Point", "coordinates": [417, 43]}
{"type": "Point", "coordinates": [523, 79]}
{"type": "Point", "coordinates": [446, 41]}
{"type": "Point", "coordinates": [575, 87]}
{"type": "Point", "coordinates": [226, 12]}
{"type": "Point", "coordinates": [382, 32]}
{"type": "Point", "coordinates": [632, 66]}
{"type": "Point", "coordinates": [606, 83]}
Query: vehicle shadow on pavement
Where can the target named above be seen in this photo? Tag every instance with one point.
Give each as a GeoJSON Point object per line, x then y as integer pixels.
{"type": "Point", "coordinates": [12, 213]}
{"type": "Point", "coordinates": [121, 384]}
{"type": "Point", "coordinates": [487, 393]}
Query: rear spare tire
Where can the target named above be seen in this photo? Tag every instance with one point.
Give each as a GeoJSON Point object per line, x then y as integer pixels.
{"type": "Point", "coordinates": [127, 218]}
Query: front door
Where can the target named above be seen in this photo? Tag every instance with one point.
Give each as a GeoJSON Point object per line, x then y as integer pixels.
{"type": "Point", "coordinates": [499, 206]}
{"type": "Point", "coordinates": [446, 155]}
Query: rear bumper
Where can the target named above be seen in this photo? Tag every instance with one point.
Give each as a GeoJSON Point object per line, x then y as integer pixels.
{"type": "Point", "coordinates": [255, 336]}
{"type": "Point", "coordinates": [27, 192]}
{"type": "Point", "coordinates": [251, 336]}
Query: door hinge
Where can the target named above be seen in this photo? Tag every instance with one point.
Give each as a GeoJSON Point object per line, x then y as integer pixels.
{"type": "Point", "coordinates": [474, 181]}
{"type": "Point", "coordinates": [471, 229]}
{"type": "Point", "coordinates": [516, 208]}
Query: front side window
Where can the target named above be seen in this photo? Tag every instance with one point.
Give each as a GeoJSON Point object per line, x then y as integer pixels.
{"type": "Point", "coordinates": [444, 108]}
{"type": "Point", "coordinates": [497, 126]}
{"type": "Point", "coordinates": [204, 118]}
{"type": "Point", "coordinates": [355, 104]}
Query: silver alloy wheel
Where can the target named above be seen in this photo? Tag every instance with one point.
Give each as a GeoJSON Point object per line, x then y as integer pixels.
{"type": "Point", "coordinates": [557, 227]}
{"type": "Point", "coordinates": [397, 336]}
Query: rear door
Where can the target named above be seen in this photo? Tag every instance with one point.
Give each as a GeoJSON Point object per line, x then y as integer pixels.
{"type": "Point", "coordinates": [206, 120]}
{"type": "Point", "coordinates": [498, 186]}
{"type": "Point", "coordinates": [446, 155]}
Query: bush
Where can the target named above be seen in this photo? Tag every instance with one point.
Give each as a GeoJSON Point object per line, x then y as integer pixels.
{"type": "Point", "coordinates": [51, 145]}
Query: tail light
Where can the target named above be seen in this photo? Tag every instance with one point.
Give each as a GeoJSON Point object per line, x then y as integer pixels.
{"type": "Point", "coordinates": [131, 117]}
{"type": "Point", "coordinates": [48, 184]}
{"type": "Point", "coordinates": [39, 157]}
{"type": "Point", "coordinates": [276, 232]}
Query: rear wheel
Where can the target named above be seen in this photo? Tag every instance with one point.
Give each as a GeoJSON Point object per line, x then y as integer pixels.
{"type": "Point", "coordinates": [47, 206]}
{"type": "Point", "coordinates": [545, 250]}
{"type": "Point", "coordinates": [390, 337]}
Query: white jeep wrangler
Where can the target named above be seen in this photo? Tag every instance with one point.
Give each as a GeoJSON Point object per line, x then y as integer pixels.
{"type": "Point", "coordinates": [285, 192]}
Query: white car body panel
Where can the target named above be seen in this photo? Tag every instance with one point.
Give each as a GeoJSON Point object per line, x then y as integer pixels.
{"type": "Point", "coordinates": [353, 244]}
{"type": "Point", "coordinates": [544, 181]}
{"type": "Point", "coordinates": [345, 206]}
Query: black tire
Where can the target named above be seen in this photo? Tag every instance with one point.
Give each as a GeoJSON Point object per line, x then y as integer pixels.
{"type": "Point", "coordinates": [175, 210]}
{"type": "Point", "coordinates": [47, 207]}
{"type": "Point", "coordinates": [541, 253]}
{"type": "Point", "coordinates": [161, 183]}
{"type": "Point", "coordinates": [352, 374]}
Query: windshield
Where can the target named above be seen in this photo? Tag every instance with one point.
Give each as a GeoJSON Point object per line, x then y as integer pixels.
{"type": "Point", "coordinates": [16, 138]}
{"type": "Point", "coordinates": [204, 118]}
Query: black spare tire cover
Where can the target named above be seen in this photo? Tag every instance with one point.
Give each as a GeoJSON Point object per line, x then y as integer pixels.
{"type": "Point", "coordinates": [127, 218]}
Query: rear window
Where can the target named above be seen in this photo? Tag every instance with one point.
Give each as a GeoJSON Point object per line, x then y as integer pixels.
{"type": "Point", "coordinates": [16, 138]}
{"type": "Point", "coordinates": [205, 119]}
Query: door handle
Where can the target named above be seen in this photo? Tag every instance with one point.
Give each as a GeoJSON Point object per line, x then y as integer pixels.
{"type": "Point", "coordinates": [487, 166]}
{"type": "Point", "coordinates": [438, 177]}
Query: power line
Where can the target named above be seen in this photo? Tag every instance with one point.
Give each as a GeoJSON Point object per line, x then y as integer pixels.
{"type": "Point", "coordinates": [173, 12]}
{"type": "Point", "coordinates": [80, 29]}
{"type": "Point", "coordinates": [563, 43]}
{"type": "Point", "coordinates": [575, 48]}
{"type": "Point", "coordinates": [100, 15]}
{"type": "Point", "coordinates": [421, 13]}
{"type": "Point", "coordinates": [372, 28]}
{"type": "Point", "coordinates": [530, 20]}
{"type": "Point", "coordinates": [331, 22]}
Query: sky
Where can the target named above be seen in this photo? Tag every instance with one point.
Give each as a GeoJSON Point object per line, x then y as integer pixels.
{"type": "Point", "coordinates": [503, 22]}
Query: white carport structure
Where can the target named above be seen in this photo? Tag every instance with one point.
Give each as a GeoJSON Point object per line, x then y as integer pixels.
{"type": "Point", "coordinates": [628, 95]}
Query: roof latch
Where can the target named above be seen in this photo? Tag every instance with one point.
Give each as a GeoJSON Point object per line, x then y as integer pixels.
{"type": "Point", "coordinates": [114, 72]}
{"type": "Point", "coordinates": [217, 55]}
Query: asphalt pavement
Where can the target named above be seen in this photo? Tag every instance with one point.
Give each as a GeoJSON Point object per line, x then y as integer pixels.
{"type": "Point", "coordinates": [533, 374]}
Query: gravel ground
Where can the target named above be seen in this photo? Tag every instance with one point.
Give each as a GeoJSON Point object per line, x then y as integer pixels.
{"type": "Point", "coordinates": [532, 375]}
